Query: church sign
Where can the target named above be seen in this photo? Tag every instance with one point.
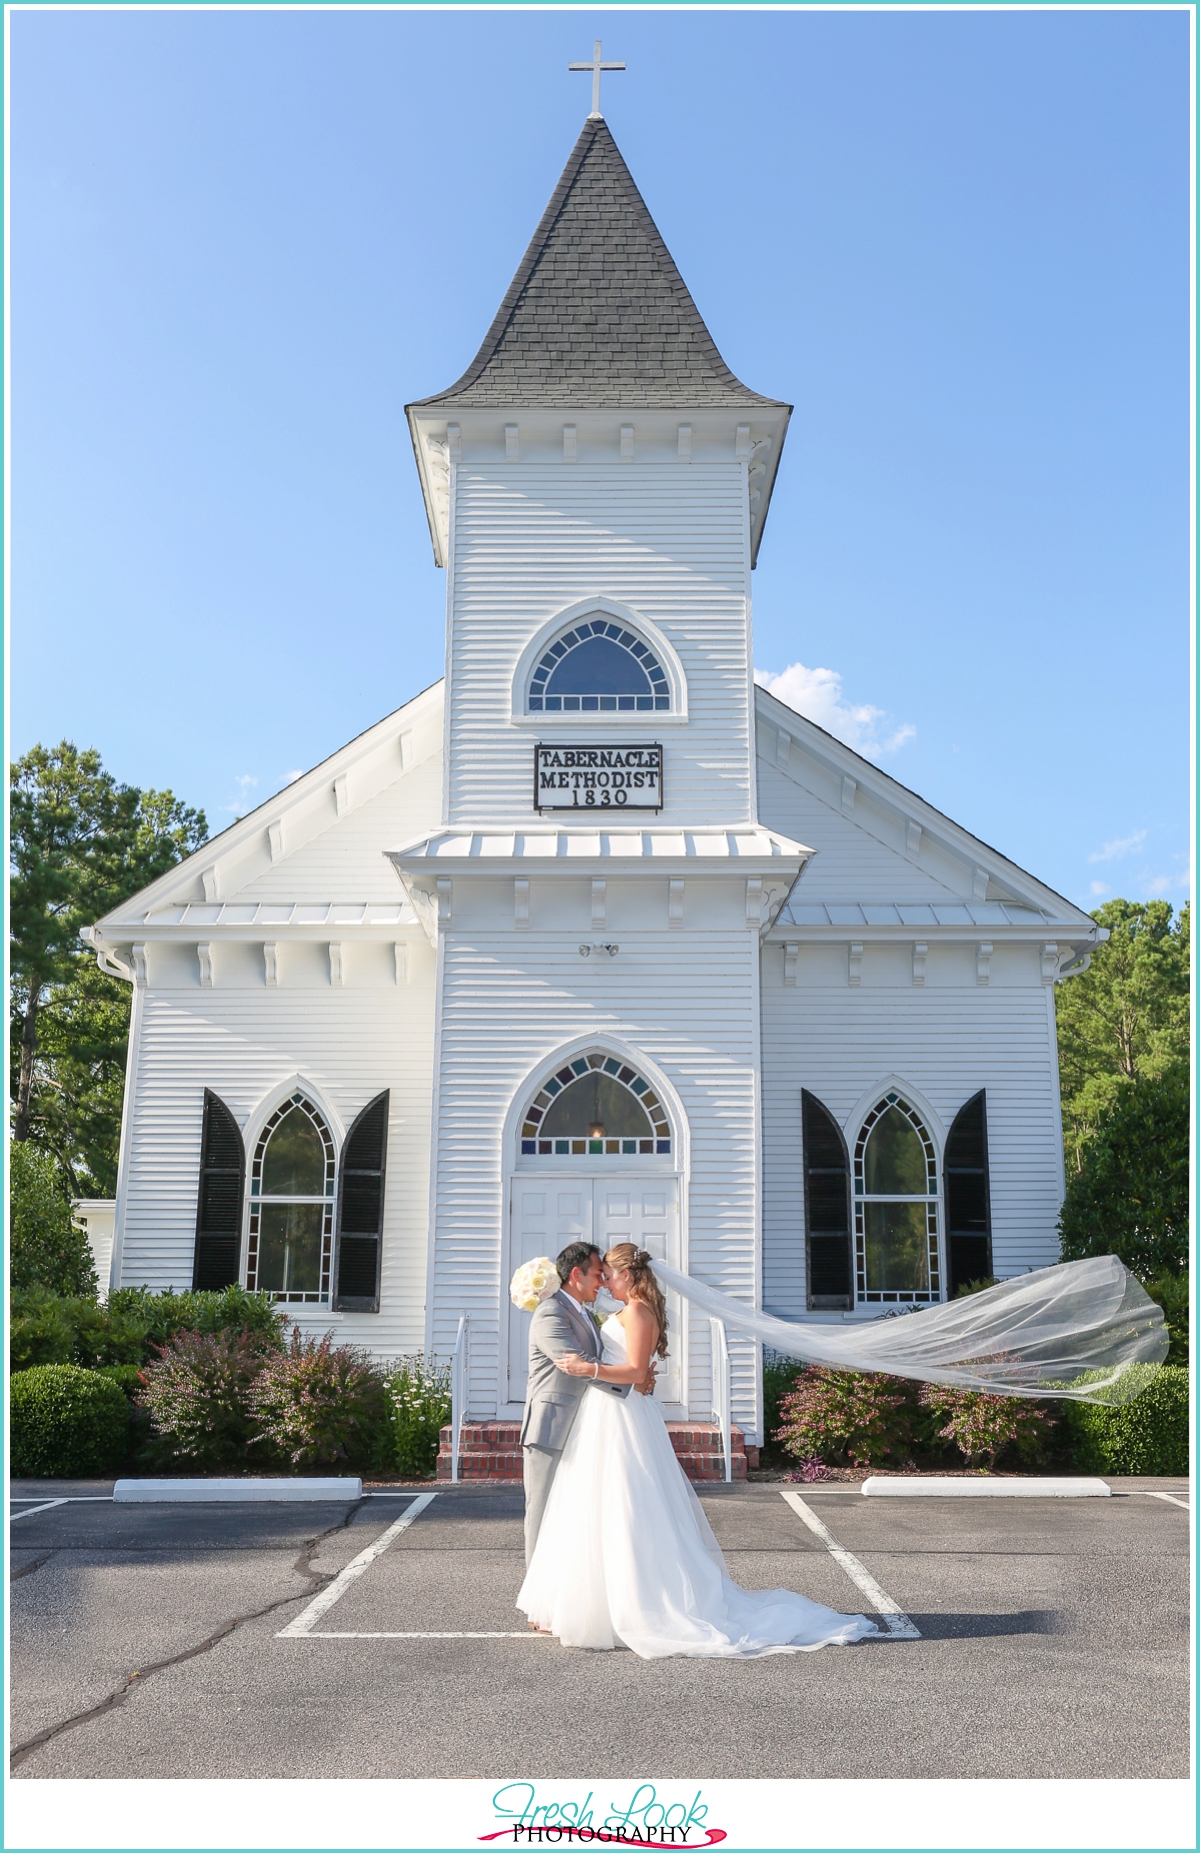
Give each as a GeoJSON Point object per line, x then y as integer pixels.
{"type": "Point", "coordinates": [597, 778]}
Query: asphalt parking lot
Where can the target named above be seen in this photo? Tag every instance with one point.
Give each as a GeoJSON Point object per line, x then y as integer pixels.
{"type": "Point", "coordinates": [1051, 1641]}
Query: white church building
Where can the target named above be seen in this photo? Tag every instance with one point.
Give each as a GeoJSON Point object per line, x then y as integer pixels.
{"type": "Point", "coordinates": [594, 938]}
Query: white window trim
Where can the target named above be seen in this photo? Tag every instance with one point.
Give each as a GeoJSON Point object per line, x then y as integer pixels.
{"type": "Point", "coordinates": [564, 620]}
{"type": "Point", "coordinates": [863, 1302]}
{"type": "Point", "coordinates": [258, 1120]}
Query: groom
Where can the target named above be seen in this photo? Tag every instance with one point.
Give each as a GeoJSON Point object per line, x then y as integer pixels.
{"type": "Point", "coordinates": [561, 1323]}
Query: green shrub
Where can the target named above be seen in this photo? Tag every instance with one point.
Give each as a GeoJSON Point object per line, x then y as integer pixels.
{"type": "Point", "coordinates": [197, 1393]}
{"type": "Point", "coordinates": [983, 1427]}
{"type": "Point", "coordinates": [1170, 1291]}
{"type": "Point", "coordinates": [419, 1388]}
{"type": "Point", "coordinates": [321, 1405]}
{"type": "Point", "coordinates": [1130, 1196]}
{"type": "Point", "coordinates": [67, 1423]}
{"type": "Point", "coordinates": [47, 1250]}
{"type": "Point", "coordinates": [49, 1328]}
{"type": "Point", "coordinates": [780, 1375]}
{"type": "Point", "coordinates": [1146, 1436]}
{"type": "Point", "coordinates": [231, 1310]}
{"type": "Point", "coordinates": [127, 1377]}
{"type": "Point", "coordinates": [844, 1415]}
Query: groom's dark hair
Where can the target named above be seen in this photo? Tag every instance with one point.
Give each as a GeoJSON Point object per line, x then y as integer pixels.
{"type": "Point", "coordinates": [575, 1255]}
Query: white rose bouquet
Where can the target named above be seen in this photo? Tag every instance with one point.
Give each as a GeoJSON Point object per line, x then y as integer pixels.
{"type": "Point", "coordinates": [533, 1283]}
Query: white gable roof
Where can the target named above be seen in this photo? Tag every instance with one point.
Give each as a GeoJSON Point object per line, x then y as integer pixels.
{"type": "Point", "coordinates": [880, 849]}
{"type": "Point", "coordinates": [317, 845]}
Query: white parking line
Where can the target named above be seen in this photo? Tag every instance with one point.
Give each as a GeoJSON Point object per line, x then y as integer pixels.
{"type": "Point", "coordinates": [425, 1634]}
{"type": "Point", "coordinates": [321, 1604]}
{"type": "Point", "coordinates": [895, 1621]}
{"type": "Point", "coordinates": [33, 1512]}
{"type": "Point", "coordinates": [1175, 1501]}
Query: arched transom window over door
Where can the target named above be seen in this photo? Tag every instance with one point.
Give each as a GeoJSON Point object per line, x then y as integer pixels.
{"type": "Point", "coordinates": [598, 667]}
{"type": "Point", "coordinates": [292, 1179]}
{"type": "Point", "coordinates": [596, 1106]}
{"type": "Point", "coordinates": [895, 1207]}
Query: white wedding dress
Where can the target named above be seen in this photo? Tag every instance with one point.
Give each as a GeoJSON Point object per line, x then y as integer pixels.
{"type": "Point", "coordinates": [626, 1558]}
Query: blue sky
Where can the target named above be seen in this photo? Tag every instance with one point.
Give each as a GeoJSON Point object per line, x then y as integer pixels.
{"type": "Point", "coordinates": [958, 242]}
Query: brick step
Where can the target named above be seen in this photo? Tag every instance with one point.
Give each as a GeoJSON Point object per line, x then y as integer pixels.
{"type": "Point", "coordinates": [492, 1451]}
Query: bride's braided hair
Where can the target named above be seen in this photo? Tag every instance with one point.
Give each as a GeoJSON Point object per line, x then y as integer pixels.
{"type": "Point", "coordinates": [642, 1285]}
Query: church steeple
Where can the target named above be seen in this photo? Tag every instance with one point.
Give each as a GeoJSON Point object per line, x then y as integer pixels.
{"type": "Point", "coordinates": [598, 316]}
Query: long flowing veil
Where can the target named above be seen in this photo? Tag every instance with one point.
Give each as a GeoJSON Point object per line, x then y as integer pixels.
{"type": "Point", "coordinates": [1082, 1329]}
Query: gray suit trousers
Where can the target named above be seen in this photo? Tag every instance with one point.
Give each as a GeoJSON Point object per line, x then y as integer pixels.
{"type": "Point", "coordinates": [541, 1465]}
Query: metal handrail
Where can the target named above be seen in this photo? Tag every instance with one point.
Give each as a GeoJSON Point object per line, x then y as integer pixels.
{"type": "Point", "coordinates": [721, 1392]}
{"type": "Point", "coordinates": [458, 1392]}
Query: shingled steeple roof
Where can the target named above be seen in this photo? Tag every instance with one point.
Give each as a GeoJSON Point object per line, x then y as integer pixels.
{"type": "Point", "coordinates": [597, 315]}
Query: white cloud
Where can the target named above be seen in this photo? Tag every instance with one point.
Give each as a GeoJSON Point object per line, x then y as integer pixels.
{"type": "Point", "coordinates": [1120, 846]}
{"type": "Point", "coordinates": [1100, 887]}
{"type": "Point", "coordinates": [289, 778]}
{"type": "Point", "coordinates": [817, 694]}
{"type": "Point", "coordinates": [241, 804]}
{"type": "Point", "coordinates": [1163, 884]}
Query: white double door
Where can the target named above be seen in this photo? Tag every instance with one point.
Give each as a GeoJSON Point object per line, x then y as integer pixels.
{"type": "Point", "coordinates": [548, 1212]}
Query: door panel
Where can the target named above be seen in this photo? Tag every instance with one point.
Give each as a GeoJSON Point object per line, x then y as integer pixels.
{"type": "Point", "coordinates": [547, 1213]}
{"type": "Point", "coordinates": [648, 1214]}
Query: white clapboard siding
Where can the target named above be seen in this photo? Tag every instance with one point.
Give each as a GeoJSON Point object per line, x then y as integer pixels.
{"type": "Point", "coordinates": [947, 1042]}
{"type": "Point", "coordinates": [347, 860]}
{"type": "Point", "coordinates": [349, 1045]}
{"type": "Point", "coordinates": [671, 544]}
{"type": "Point", "coordinates": [691, 1007]}
{"type": "Point", "coordinates": [851, 863]}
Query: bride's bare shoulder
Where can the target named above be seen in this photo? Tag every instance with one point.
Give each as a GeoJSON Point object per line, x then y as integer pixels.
{"type": "Point", "coordinates": [636, 1314]}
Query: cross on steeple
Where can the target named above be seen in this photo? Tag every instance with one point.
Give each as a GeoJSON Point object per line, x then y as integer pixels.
{"type": "Point", "coordinates": [595, 67]}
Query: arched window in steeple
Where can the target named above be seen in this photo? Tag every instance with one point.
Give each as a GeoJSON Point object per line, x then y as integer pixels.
{"type": "Point", "coordinates": [599, 667]}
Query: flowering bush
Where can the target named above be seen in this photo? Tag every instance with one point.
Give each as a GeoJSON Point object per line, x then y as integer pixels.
{"type": "Point", "coordinates": [982, 1426]}
{"type": "Point", "coordinates": [197, 1392]}
{"type": "Point", "coordinates": [533, 1283]}
{"type": "Point", "coordinates": [420, 1393]}
{"type": "Point", "coordinates": [809, 1470]}
{"type": "Point", "coordinates": [319, 1404]}
{"type": "Point", "coordinates": [844, 1415]}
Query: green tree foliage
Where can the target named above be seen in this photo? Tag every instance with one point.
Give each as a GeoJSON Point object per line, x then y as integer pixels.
{"type": "Point", "coordinates": [80, 844]}
{"type": "Point", "coordinates": [1126, 1018]}
{"type": "Point", "coordinates": [1130, 1198]}
{"type": "Point", "coordinates": [48, 1251]}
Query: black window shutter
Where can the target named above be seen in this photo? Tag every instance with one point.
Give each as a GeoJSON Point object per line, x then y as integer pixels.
{"type": "Point", "coordinates": [968, 1196]}
{"type": "Point", "coordinates": [360, 1210]}
{"type": "Point", "coordinates": [826, 1208]}
{"type": "Point", "coordinates": [219, 1204]}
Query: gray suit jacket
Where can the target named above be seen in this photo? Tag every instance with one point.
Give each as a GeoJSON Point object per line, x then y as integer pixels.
{"type": "Point", "coordinates": [552, 1399]}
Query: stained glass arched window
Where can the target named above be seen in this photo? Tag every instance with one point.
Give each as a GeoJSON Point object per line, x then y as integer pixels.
{"type": "Point", "coordinates": [291, 1205]}
{"type": "Point", "coordinates": [896, 1207]}
{"type": "Point", "coordinates": [596, 1106]}
{"type": "Point", "coordinates": [599, 667]}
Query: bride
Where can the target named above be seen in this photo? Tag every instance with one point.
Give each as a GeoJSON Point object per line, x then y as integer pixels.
{"type": "Point", "coordinates": [625, 1556]}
